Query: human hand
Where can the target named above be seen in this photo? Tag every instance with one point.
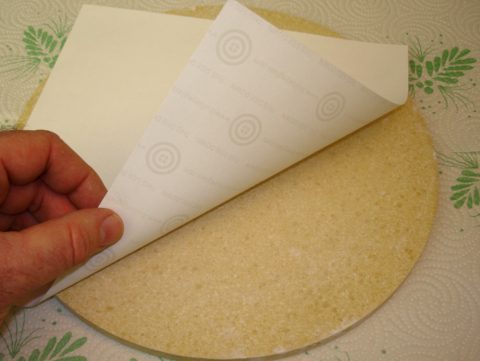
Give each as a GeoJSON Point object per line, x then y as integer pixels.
{"type": "Point", "coordinates": [48, 216]}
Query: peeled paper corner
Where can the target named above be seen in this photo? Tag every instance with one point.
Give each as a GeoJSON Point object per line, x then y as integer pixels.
{"type": "Point", "coordinates": [251, 101]}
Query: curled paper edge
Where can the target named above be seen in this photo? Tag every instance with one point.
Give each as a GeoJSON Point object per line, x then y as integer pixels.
{"type": "Point", "coordinates": [108, 256]}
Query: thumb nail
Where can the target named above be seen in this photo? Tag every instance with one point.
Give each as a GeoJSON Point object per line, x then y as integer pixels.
{"type": "Point", "coordinates": [111, 230]}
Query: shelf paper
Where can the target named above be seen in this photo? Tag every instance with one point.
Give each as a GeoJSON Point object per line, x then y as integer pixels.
{"type": "Point", "coordinates": [249, 102]}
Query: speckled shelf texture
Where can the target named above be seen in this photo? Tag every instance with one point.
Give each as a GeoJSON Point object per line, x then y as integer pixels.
{"type": "Point", "coordinates": [435, 314]}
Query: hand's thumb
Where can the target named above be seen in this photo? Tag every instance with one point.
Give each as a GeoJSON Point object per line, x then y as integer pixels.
{"type": "Point", "coordinates": [40, 254]}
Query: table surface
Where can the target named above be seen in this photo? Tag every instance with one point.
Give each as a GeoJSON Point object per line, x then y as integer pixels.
{"type": "Point", "coordinates": [435, 315]}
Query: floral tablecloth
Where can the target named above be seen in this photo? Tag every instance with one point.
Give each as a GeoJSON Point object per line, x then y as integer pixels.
{"type": "Point", "coordinates": [435, 315]}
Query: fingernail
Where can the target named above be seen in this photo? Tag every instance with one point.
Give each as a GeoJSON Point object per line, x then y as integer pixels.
{"type": "Point", "coordinates": [111, 230]}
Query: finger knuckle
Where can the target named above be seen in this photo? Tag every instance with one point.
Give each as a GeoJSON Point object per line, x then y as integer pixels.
{"type": "Point", "coordinates": [49, 137]}
{"type": "Point", "coordinates": [79, 245]}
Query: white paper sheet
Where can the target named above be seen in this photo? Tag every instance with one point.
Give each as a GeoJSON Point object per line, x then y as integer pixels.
{"type": "Point", "coordinates": [250, 101]}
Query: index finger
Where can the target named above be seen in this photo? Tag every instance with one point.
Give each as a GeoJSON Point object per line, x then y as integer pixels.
{"type": "Point", "coordinates": [26, 156]}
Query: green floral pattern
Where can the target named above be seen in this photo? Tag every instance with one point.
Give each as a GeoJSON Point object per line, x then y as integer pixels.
{"type": "Point", "coordinates": [466, 190]}
{"type": "Point", "coordinates": [42, 45]}
{"type": "Point", "coordinates": [16, 338]}
{"type": "Point", "coordinates": [441, 72]}
{"type": "Point", "coordinates": [17, 343]}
